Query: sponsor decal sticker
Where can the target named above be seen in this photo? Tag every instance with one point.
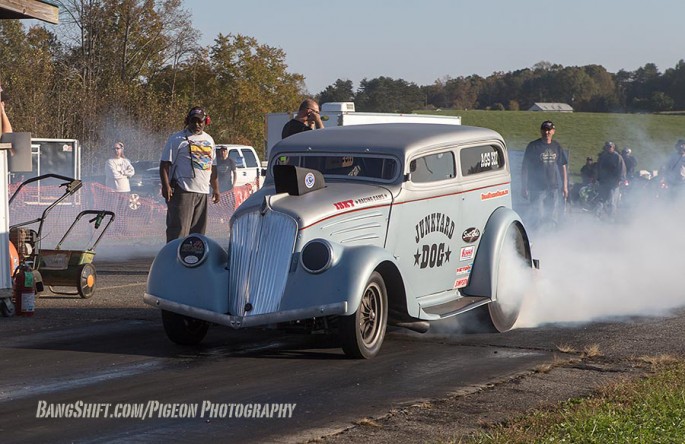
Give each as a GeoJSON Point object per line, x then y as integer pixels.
{"type": "Point", "coordinates": [470, 235]}
{"type": "Point", "coordinates": [309, 180]}
{"type": "Point", "coordinates": [344, 204]}
{"type": "Point", "coordinates": [369, 199]}
{"type": "Point", "coordinates": [494, 194]}
{"type": "Point", "coordinates": [464, 270]}
{"type": "Point", "coordinates": [466, 253]}
{"type": "Point", "coordinates": [461, 282]}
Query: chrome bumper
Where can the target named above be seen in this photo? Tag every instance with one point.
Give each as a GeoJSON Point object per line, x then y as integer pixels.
{"type": "Point", "coordinates": [338, 308]}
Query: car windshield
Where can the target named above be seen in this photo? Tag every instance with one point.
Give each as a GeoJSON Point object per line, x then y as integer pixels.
{"type": "Point", "coordinates": [382, 168]}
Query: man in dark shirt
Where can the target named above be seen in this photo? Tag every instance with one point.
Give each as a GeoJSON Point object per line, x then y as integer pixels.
{"type": "Point", "coordinates": [308, 117]}
{"type": "Point", "coordinates": [611, 172]}
{"type": "Point", "coordinates": [544, 175]}
{"type": "Point", "coordinates": [630, 162]}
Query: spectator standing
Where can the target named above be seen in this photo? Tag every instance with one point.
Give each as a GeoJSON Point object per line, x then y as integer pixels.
{"type": "Point", "coordinates": [227, 174]}
{"type": "Point", "coordinates": [588, 171]}
{"type": "Point", "coordinates": [308, 117]}
{"type": "Point", "coordinates": [544, 174]}
{"type": "Point", "coordinates": [674, 170]}
{"type": "Point", "coordinates": [118, 169]}
{"type": "Point", "coordinates": [611, 173]}
{"type": "Point", "coordinates": [187, 169]}
{"type": "Point", "coordinates": [630, 161]}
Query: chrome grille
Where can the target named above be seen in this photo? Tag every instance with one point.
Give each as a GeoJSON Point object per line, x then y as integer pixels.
{"type": "Point", "coordinates": [261, 248]}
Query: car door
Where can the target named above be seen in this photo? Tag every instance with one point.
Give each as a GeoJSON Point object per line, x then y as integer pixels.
{"type": "Point", "coordinates": [424, 230]}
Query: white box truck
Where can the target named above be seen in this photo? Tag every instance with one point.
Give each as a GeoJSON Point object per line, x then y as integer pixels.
{"type": "Point", "coordinates": [343, 113]}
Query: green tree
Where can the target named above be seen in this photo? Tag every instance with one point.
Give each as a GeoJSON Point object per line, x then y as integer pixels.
{"type": "Point", "coordinates": [385, 94]}
{"type": "Point", "coordinates": [340, 91]}
{"type": "Point", "coordinates": [247, 80]}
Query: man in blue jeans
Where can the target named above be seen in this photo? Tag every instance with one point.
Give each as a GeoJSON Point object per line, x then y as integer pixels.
{"type": "Point", "coordinates": [544, 176]}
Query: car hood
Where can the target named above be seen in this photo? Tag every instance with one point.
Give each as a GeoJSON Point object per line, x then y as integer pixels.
{"type": "Point", "coordinates": [334, 200]}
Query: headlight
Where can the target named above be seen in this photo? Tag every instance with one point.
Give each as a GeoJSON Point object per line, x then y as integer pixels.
{"type": "Point", "coordinates": [192, 251]}
{"type": "Point", "coordinates": [316, 256]}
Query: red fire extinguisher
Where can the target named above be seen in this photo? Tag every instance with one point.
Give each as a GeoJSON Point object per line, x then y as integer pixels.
{"type": "Point", "coordinates": [24, 290]}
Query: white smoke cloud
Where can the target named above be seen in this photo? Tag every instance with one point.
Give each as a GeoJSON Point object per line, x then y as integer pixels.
{"type": "Point", "coordinates": [592, 269]}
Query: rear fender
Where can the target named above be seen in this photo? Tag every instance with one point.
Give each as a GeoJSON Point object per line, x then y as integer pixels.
{"type": "Point", "coordinates": [483, 280]}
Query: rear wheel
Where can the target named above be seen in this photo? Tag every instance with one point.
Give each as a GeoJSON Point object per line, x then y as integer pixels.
{"type": "Point", "coordinates": [512, 263]}
{"type": "Point", "coordinates": [86, 281]}
{"type": "Point", "coordinates": [184, 330]}
{"type": "Point", "coordinates": [362, 333]}
{"type": "Point", "coordinates": [514, 275]}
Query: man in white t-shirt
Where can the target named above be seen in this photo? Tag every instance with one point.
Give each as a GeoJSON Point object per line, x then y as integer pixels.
{"type": "Point", "coordinates": [187, 168]}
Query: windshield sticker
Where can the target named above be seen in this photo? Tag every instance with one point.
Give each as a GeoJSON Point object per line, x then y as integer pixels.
{"type": "Point", "coordinates": [494, 194]}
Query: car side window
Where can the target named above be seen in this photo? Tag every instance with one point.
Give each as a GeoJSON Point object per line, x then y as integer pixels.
{"type": "Point", "coordinates": [433, 167]}
{"type": "Point", "coordinates": [480, 159]}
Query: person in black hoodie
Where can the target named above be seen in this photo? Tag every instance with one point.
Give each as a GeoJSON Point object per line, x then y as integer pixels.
{"type": "Point", "coordinates": [611, 173]}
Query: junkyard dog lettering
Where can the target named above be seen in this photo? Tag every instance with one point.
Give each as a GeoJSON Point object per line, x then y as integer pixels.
{"type": "Point", "coordinates": [432, 223]}
{"type": "Point", "coordinates": [433, 255]}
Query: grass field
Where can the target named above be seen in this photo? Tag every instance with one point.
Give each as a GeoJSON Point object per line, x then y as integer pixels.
{"type": "Point", "coordinates": [649, 410]}
{"type": "Point", "coordinates": [650, 136]}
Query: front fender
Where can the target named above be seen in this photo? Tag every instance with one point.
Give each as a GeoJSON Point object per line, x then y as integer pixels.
{"type": "Point", "coordinates": [204, 286]}
{"type": "Point", "coordinates": [345, 281]}
{"type": "Point", "coordinates": [483, 278]}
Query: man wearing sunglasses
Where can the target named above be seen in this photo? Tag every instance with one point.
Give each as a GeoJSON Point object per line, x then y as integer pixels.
{"type": "Point", "coordinates": [308, 118]}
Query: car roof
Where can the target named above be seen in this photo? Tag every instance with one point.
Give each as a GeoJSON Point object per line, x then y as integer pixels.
{"type": "Point", "coordinates": [399, 139]}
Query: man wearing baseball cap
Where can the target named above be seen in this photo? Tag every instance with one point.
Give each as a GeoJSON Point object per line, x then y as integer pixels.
{"type": "Point", "coordinates": [187, 168]}
{"type": "Point", "coordinates": [544, 176]}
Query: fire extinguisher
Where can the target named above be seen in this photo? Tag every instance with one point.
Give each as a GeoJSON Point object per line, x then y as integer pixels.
{"type": "Point", "coordinates": [24, 290]}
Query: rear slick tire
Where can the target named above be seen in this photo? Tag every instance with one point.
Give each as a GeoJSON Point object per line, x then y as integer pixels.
{"type": "Point", "coordinates": [362, 332]}
{"type": "Point", "coordinates": [505, 309]}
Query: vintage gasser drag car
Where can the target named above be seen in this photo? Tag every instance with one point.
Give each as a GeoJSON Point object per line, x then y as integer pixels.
{"type": "Point", "coordinates": [355, 228]}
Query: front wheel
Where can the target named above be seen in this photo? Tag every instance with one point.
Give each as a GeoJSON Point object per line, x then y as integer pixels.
{"type": "Point", "coordinates": [184, 330]}
{"type": "Point", "coordinates": [362, 332]}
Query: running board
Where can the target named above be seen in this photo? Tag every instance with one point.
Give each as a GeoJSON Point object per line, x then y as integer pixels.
{"type": "Point", "coordinates": [457, 306]}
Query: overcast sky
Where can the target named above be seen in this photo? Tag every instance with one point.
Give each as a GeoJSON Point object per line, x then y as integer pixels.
{"type": "Point", "coordinates": [421, 41]}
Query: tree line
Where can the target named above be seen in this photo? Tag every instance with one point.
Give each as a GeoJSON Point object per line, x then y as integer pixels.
{"type": "Point", "coordinates": [129, 70]}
